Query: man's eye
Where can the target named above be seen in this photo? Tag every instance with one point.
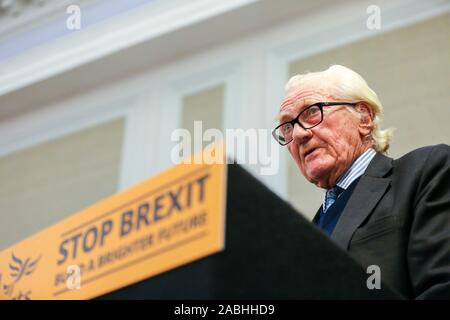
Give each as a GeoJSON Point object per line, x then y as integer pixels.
{"type": "Point", "coordinates": [313, 111]}
{"type": "Point", "coordinates": [287, 127]}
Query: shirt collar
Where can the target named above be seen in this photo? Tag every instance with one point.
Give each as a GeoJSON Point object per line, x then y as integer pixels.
{"type": "Point", "coordinates": [357, 168]}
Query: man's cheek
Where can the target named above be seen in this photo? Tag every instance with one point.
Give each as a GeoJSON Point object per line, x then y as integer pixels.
{"type": "Point", "coordinates": [328, 152]}
{"type": "Point", "coordinates": [296, 156]}
{"type": "Point", "coordinates": [293, 150]}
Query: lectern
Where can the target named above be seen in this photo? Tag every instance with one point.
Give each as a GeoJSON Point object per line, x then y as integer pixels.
{"type": "Point", "coordinates": [271, 252]}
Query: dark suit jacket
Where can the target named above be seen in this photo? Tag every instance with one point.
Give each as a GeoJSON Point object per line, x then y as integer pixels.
{"type": "Point", "coordinates": [398, 218]}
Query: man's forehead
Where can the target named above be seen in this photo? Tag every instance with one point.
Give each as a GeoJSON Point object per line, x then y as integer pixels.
{"type": "Point", "coordinates": [300, 97]}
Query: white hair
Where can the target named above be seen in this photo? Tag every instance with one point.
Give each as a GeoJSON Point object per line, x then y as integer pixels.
{"type": "Point", "coordinates": [349, 85]}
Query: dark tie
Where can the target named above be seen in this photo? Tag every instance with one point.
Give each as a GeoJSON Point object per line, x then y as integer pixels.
{"type": "Point", "coordinates": [331, 195]}
{"type": "Point", "coordinates": [327, 222]}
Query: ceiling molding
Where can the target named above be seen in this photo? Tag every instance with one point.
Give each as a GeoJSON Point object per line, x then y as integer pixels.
{"type": "Point", "coordinates": [91, 61]}
{"type": "Point", "coordinates": [112, 35]}
{"type": "Point", "coordinates": [17, 16]}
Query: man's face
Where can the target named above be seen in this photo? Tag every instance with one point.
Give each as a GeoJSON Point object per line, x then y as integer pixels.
{"type": "Point", "coordinates": [322, 153]}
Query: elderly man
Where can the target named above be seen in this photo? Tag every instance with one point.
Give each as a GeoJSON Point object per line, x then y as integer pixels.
{"type": "Point", "coordinates": [391, 213]}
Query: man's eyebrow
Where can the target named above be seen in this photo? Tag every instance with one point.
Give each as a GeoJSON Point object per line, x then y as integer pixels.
{"type": "Point", "coordinates": [283, 115]}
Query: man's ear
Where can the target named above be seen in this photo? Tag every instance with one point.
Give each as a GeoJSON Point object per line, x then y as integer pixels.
{"type": "Point", "coordinates": [366, 119]}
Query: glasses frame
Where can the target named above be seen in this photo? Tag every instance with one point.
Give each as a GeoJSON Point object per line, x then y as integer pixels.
{"type": "Point", "coordinates": [295, 120]}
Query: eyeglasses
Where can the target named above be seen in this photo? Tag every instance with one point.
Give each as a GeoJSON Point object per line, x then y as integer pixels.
{"type": "Point", "coordinates": [307, 119]}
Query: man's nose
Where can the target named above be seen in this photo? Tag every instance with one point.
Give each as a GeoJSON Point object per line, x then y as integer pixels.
{"type": "Point", "coordinates": [300, 135]}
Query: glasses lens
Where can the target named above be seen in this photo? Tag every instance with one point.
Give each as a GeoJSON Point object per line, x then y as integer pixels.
{"type": "Point", "coordinates": [284, 133]}
{"type": "Point", "coordinates": [311, 117]}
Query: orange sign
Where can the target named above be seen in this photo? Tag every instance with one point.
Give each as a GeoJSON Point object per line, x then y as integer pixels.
{"type": "Point", "coordinates": [162, 223]}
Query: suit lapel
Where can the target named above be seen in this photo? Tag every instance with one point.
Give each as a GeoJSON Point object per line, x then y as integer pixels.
{"type": "Point", "coordinates": [368, 192]}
